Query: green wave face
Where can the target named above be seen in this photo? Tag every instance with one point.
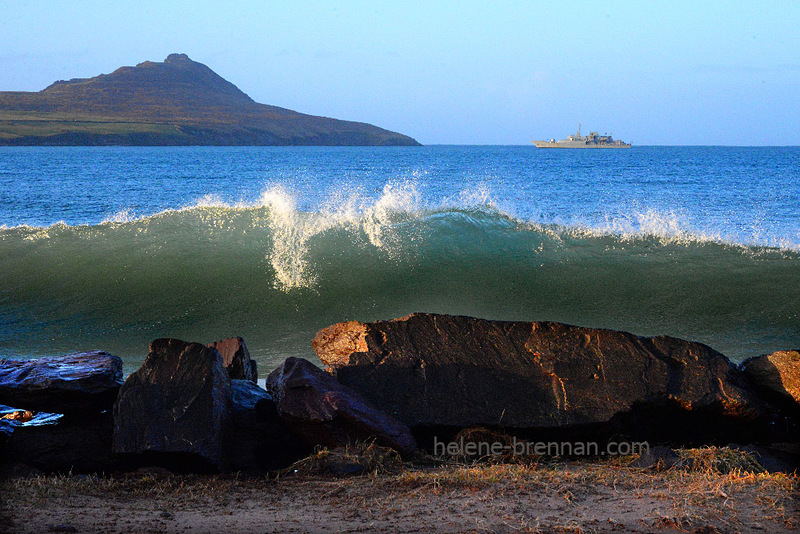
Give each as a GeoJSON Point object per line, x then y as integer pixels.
{"type": "Point", "coordinates": [275, 275]}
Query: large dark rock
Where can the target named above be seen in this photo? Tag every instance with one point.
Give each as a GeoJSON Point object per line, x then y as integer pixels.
{"type": "Point", "coordinates": [773, 460]}
{"type": "Point", "coordinates": [173, 409]}
{"type": "Point", "coordinates": [18, 417]}
{"type": "Point", "coordinates": [57, 443]}
{"type": "Point", "coordinates": [448, 371]}
{"type": "Point", "coordinates": [9, 420]}
{"type": "Point", "coordinates": [321, 410]}
{"type": "Point", "coordinates": [75, 383]}
{"type": "Point", "coordinates": [777, 375]}
{"type": "Point", "coordinates": [254, 438]}
{"type": "Point", "coordinates": [6, 431]}
{"type": "Point", "coordinates": [236, 359]}
{"type": "Point", "coordinates": [54, 443]}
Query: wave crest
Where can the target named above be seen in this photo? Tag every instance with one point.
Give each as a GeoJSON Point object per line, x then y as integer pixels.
{"type": "Point", "coordinates": [397, 222]}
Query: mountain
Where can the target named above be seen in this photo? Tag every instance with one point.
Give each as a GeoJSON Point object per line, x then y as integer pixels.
{"type": "Point", "coordinates": [176, 102]}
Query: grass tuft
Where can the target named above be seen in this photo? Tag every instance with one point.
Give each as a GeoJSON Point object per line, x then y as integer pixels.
{"type": "Point", "coordinates": [720, 460]}
{"type": "Point", "coordinates": [358, 459]}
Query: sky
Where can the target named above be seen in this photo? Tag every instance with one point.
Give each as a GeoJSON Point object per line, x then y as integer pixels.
{"type": "Point", "coordinates": [490, 72]}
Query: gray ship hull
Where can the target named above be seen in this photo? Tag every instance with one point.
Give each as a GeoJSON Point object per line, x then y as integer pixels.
{"type": "Point", "coordinates": [593, 140]}
{"type": "Point", "coordinates": [560, 144]}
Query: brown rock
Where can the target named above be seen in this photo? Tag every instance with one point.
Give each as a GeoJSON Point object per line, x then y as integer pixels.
{"type": "Point", "coordinates": [438, 370]}
{"type": "Point", "coordinates": [23, 416]}
{"type": "Point", "coordinates": [777, 373]}
{"type": "Point", "coordinates": [236, 359]}
{"type": "Point", "coordinates": [318, 408]}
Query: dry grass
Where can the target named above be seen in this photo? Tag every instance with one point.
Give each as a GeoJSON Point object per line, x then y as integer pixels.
{"type": "Point", "coordinates": [720, 460]}
{"type": "Point", "coordinates": [360, 459]}
{"type": "Point", "coordinates": [716, 491]}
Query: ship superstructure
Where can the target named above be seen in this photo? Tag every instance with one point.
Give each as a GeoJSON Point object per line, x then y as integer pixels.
{"type": "Point", "coordinates": [593, 140]}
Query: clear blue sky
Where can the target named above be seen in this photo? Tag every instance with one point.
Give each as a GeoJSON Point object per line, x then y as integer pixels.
{"type": "Point", "coordinates": [694, 72]}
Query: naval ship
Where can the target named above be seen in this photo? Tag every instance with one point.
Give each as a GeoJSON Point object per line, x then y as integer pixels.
{"type": "Point", "coordinates": [593, 140]}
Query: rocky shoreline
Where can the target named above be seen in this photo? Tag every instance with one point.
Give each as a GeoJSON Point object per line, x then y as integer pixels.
{"type": "Point", "coordinates": [404, 384]}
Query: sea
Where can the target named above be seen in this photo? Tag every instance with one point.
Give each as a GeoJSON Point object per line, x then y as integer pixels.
{"type": "Point", "coordinates": [111, 247]}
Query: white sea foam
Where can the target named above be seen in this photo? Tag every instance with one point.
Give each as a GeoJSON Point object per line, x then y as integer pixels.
{"type": "Point", "coordinates": [36, 233]}
{"type": "Point", "coordinates": [212, 200]}
{"type": "Point", "coordinates": [378, 218]}
{"type": "Point", "coordinates": [291, 231]}
{"type": "Point", "coordinates": [120, 217]}
{"type": "Point", "coordinates": [667, 226]}
{"type": "Point", "coordinates": [477, 196]}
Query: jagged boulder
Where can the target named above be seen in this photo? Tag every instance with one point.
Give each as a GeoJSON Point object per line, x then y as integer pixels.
{"type": "Point", "coordinates": [433, 371]}
{"type": "Point", "coordinates": [314, 405]}
{"type": "Point", "coordinates": [56, 443]}
{"type": "Point", "coordinates": [10, 419]}
{"type": "Point", "coordinates": [6, 431]}
{"type": "Point", "coordinates": [84, 382]}
{"type": "Point", "coordinates": [236, 359]}
{"type": "Point", "coordinates": [254, 438]}
{"type": "Point", "coordinates": [778, 375]}
{"type": "Point", "coordinates": [173, 409]}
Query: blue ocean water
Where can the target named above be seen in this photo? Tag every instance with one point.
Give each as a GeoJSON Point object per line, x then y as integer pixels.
{"type": "Point", "coordinates": [111, 247]}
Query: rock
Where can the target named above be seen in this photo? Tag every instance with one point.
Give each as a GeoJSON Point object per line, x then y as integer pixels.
{"type": "Point", "coordinates": [22, 416]}
{"type": "Point", "coordinates": [154, 470]}
{"type": "Point", "coordinates": [317, 407]}
{"type": "Point", "coordinates": [6, 431]}
{"type": "Point", "coordinates": [7, 427]}
{"type": "Point", "coordinates": [174, 407]}
{"type": "Point", "coordinates": [254, 439]}
{"type": "Point", "coordinates": [245, 431]}
{"type": "Point", "coordinates": [777, 375]}
{"type": "Point", "coordinates": [434, 371]}
{"type": "Point", "coordinates": [75, 383]}
{"type": "Point", "coordinates": [345, 468]}
{"type": "Point", "coordinates": [11, 418]}
{"type": "Point", "coordinates": [773, 461]}
{"type": "Point", "coordinates": [18, 470]}
{"type": "Point", "coordinates": [481, 444]}
{"type": "Point", "coordinates": [77, 445]}
{"type": "Point", "coordinates": [245, 396]}
{"type": "Point", "coordinates": [236, 359]}
{"type": "Point", "coordinates": [660, 458]}
{"type": "Point", "coordinates": [57, 443]}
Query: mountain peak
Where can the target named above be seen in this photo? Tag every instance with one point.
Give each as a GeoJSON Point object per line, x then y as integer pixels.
{"type": "Point", "coordinates": [176, 58]}
{"type": "Point", "coordinates": [177, 81]}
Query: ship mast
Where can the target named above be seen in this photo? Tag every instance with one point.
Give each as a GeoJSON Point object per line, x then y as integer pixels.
{"type": "Point", "coordinates": [579, 129]}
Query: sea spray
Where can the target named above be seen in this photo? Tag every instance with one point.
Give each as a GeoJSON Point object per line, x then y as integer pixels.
{"type": "Point", "coordinates": [290, 231]}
